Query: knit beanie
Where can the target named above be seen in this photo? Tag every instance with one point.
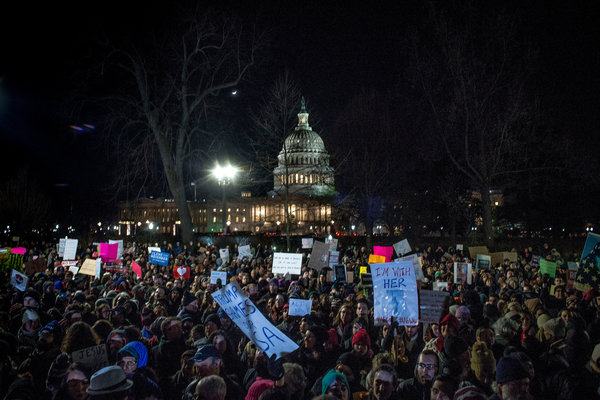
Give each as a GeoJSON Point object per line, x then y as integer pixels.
{"type": "Point", "coordinates": [556, 327]}
{"type": "Point", "coordinates": [351, 360]}
{"type": "Point", "coordinates": [30, 315]}
{"type": "Point", "coordinates": [55, 329]}
{"type": "Point", "coordinates": [332, 376]}
{"type": "Point", "coordinates": [257, 388]}
{"type": "Point", "coordinates": [361, 337]}
{"type": "Point", "coordinates": [510, 369]}
{"type": "Point", "coordinates": [470, 392]}
{"type": "Point", "coordinates": [187, 298]}
{"type": "Point", "coordinates": [136, 350]}
{"type": "Point", "coordinates": [33, 294]}
{"type": "Point", "coordinates": [541, 320]}
{"type": "Point", "coordinates": [451, 320]}
{"type": "Point", "coordinates": [212, 318]}
{"type": "Point", "coordinates": [482, 359]}
{"type": "Point", "coordinates": [454, 346]}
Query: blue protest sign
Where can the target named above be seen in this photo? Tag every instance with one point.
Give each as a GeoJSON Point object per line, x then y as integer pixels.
{"type": "Point", "coordinates": [252, 322]}
{"type": "Point", "coordinates": [395, 293]}
{"type": "Point", "coordinates": [160, 258]}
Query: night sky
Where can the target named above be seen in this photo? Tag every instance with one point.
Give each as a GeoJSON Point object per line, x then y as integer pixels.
{"type": "Point", "coordinates": [333, 49]}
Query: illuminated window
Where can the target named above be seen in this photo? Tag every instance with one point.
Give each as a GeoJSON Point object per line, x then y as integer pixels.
{"type": "Point", "coordinates": [214, 219]}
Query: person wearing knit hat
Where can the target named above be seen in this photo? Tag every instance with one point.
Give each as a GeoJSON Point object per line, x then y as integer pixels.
{"type": "Point", "coordinates": [361, 342]}
{"type": "Point", "coordinates": [483, 368]}
{"type": "Point", "coordinates": [335, 383]}
{"type": "Point", "coordinates": [115, 341]}
{"type": "Point", "coordinates": [454, 357]}
{"type": "Point", "coordinates": [512, 378]}
{"type": "Point", "coordinates": [257, 388]}
{"type": "Point", "coordinates": [554, 329]}
{"type": "Point", "coordinates": [131, 357]}
{"type": "Point", "coordinates": [31, 299]}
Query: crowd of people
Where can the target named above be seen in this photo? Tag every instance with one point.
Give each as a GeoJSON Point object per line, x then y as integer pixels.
{"type": "Point", "coordinates": [512, 333]}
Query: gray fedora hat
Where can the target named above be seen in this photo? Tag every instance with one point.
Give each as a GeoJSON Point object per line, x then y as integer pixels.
{"type": "Point", "coordinates": [107, 380]}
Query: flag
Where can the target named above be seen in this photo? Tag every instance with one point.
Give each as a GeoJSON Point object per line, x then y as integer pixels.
{"type": "Point", "coordinates": [588, 277]}
{"type": "Point", "coordinates": [181, 272]}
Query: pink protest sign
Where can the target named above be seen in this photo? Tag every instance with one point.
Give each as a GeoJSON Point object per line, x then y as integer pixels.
{"type": "Point", "coordinates": [18, 250]}
{"type": "Point", "coordinates": [385, 251]}
{"type": "Point", "coordinates": [108, 252]}
{"type": "Point", "coordinates": [137, 269]}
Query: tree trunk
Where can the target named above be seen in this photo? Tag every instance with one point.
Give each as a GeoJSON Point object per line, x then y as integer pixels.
{"type": "Point", "coordinates": [486, 207]}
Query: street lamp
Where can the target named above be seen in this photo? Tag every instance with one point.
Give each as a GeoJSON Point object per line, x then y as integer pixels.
{"type": "Point", "coordinates": [194, 185]}
{"type": "Point", "coordinates": [224, 175]}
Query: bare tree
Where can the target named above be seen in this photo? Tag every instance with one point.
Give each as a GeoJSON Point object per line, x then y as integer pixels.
{"type": "Point", "coordinates": [273, 121]}
{"type": "Point", "coordinates": [168, 92]}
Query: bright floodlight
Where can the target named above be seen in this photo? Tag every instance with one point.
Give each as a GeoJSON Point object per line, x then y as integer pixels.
{"type": "Point", "coordinates": [226, 172]}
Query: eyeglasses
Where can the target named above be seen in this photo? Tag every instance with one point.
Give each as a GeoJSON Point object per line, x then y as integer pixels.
{"type": "Point", "coordinates": [129, 364]}
{"type": "Point", "coordinates": [78, 382]}
{"type": "Point", "coordinates": [428, 367]}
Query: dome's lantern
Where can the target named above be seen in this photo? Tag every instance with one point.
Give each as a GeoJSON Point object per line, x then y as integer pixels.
{"type": "Point", "coordinates": [303, 161]}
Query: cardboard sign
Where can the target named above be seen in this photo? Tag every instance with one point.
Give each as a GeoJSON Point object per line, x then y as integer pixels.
{"type": "Point", "coordinates": [182, 272]}
{"type": "Point", "coordinates": [332, 244]}
{"type": "Point", "coordinates": [252, 322]}
{"type": "Point", "coordinates": [416, 261]}
{"type": "Point", "coordinates": [244, 251]}
{"type": "Point", "coordinates": [334, 258]}
{"type": "Point", "coordinates": [160, 258]}
{"type": "Point", "coordinates": [222, 275]}
{"type": "Point", "coordinates": [284, 263]}
{"type": "Point", "coordinates": [119, 243]}
{"type": "Point", "coordinates": [224, 254]}
{"type": "Point", "coordinates": [70, 250]}
{"type": "Point", "coordinates": [463, 273]}
{"type": "Point", "coordinates": [431, 305]}
{"type": "Point", "coordinates": [402, 247]}
{"type": "Point", "coordinates": [18, 280]}
{"type": "Point", "coordinates": [108, 252]}
{"type": "Point", "coordinates": [307, 243]}
{"type": "Point", "coordinates": [319, 257]}
{"type": "Point", "coordinates": [61, 247]}
{"type": "Point", "coordinates": [484, 262]}
{"type": "Point", "coordinates": [339, 273]}
{"type": "Point", "coordinates": [497, 259]}
{"type": "Point", "coordinates": [385, 251]}
{"type": "Point", "coordinates": [473, 251]}
{"type": "Point", "coordinates": [94, 357]}
{"type": "Point", "coordinates": [547, 267]}
{"type": "Point", "coordinates": [373, 259]}
{"type": "Point", "coordinates": [88, 267]}
{"type": "Point", "coordinates": [135, 267]}
{"type": "Point", "coordinates": [300, 307]}
{"type": "Point", "coordinates": [395, 293]}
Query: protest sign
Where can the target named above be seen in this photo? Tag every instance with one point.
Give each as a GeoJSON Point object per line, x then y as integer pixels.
{"type": "Point", "coordinates": [590, 242]}
{"type": "Point", "coordinates": [440, 286]}
{"type": "Point", "coordinates": [244, 251]}
{"type": "Point", "coordinates": [319, 257]}
{"type": "Point", "coordinates": [300, 307]}
{"type": "Point", "coordinates": [224, 254]}
{"type": "Point", "coordinates": [68, 263]}
{"type": "Point", "coordinates": [473, 251]}
{"type": "Point", "coordinates": [459, 247]}
{"type": "Point", "coordinates": [287, 263]}
{"type": "Point", "coordinates": [222, 275]}
{"type": "Point", "coordinates": [108, 252]}
{"type": "Point", "coordinates": [373, 259]}
{"type": "Point", "coordinates": [402, 247]}
{"type": "Point", "coordinates": [74, 270]}
{"type": "Point", "coordinates": [363, 270]}
{"type": "Point", "coordinates": [252, 322]}
{"type": "Point", "coordinates": [395, 293]}
{"type": "Point", "coordinates": [547, 267]}
{"type": "Point", "coordinates": [160, 258]}
{"type": "Point", "coordinates": [366, 280]}
{"type": "Point", "coordinates": [182, 272]}
{"type": "Point", "coordinates": [88, 267]}
{"type": "Point", "coordinates": [431, 305]}
{"type": "Point", "coordinates": [18, 250]}
{"type": "Point", "coordinates": [135, 267]}
{"type": "Point", "coordinates": [61, 247]}
{"type": "Point", "coordinates": [511, 255]}
{"type": "Point", "coordinates": [332, 244]}
{"type": "Point", "coordinates": [18, 280]}
{"type": "Point", "coordinates": [385, 251]}
{"type": "Point", "coordinates": [70, 250]}
{"type": "Point", "coordinates": [98, 270]}
{"type": "Point", "coordinates": [414, 259]}
{"type": "Point", "coordinates": [483, 262]}
{"type": "Point", "coordinates": [571, 275]}
{"type": "Point", "coordinates": [334, 258]}
{"type": "Point", "coordinates": [151, 249]}
{"type": "Point", "coordinates": [463, 273]}
{"type": "Point", "coordinates": [307, 243]}
{"type": "Point", "coordinates": [535, 261]}
{"type": "Point", "coordinates": [113, 266]}
{"type": "Point", "coordinates": [497, 258]}
{"type": "Point", "coordinates": [572, 265]}
{"type": "Point", "coordinates": [350, 276]}
{"type": "Point", "coordinates": [94, 357]}
{"type": "Point", "coordinates": [339, 273]}
{"type": "Point", "coordinates": [119, 248]}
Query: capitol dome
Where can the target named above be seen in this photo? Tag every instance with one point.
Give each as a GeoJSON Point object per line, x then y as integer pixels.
{"type": "Point", "coordinates": [304, 161]}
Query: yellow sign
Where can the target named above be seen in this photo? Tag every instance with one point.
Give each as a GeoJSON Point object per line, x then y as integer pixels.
{"type": "Point", "coordinates": [373, 259]}
{"type": "Point", "coordinates": [363, 270]}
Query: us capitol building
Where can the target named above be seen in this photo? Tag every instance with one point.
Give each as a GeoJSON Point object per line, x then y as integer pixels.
{"type": "Point", "coordinates": [303, 166]}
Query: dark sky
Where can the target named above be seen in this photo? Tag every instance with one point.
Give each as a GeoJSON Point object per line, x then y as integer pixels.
{"type": "Point", "coordinates": [334, 49]}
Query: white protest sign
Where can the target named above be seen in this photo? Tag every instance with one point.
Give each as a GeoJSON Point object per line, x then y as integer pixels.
{"type": "Point", "coordinates": [334, 258]}
{"type": "Point", "coordinates": [395, 293]}
{"type": "Point", "coordinates": [18, 280]}
{"type": "Point", "coordinates": [459, 247]}
{"type": "Point", "coordinates": [300, 307]}
{"type": "Point", "coordinates": [252, 322]}
{"type": "Point", "coordinates": [244, 251]}
{"type": "Point", "coordinates": [483, 262]}
{"type": "Point", "coordinates": [88, 267]}
{"type": "Point", "coordinates": [98, 267]}
{"type": "Point", "coordinates": [413, 258]}
{"type": "Point", "coordinates": [332, 244]}
{"type": "Point", "coordinates": [120, 248]}
{"type": "Point", "coordinates": [61, 247]}
{"type": "Point", "coordinates": [319, 256]}
{"type": "Point", "coordinates": [287, 263]}
{"type": "Point", "coordinates": [307, 243]}
{"type": "Point", "coordinates": [224, 254]}
{"type": "Point", "coordinates": [70, 249]}
{"type": "Point", "coordinates": [74, 270]}
{"type": "Point", "coordinates": [402, 247]}
{"type": "Point", "coordinates": [151, 249]}
{"type": "Point", "coordinates": [440, 285]}
{"type": "Point", "coordinates": [94, 357]}
{"type": "Point", "coordinates": [222, 275]}
{"type": "Point", "coordinates": [431, 304]}
{"type": "Point", "coordinates": [463, 273]}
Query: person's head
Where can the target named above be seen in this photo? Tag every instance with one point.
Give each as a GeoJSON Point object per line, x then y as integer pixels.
{"type": "Point", "coordinates": [109, 383]}
{"type": "Point", "coordinates": [443, 387]}
{"type": "Point", "coordinates": [512, 378]}
{"type": "Point", "coordinates": [483, 363]}
{"type": "Point", "coordinates": [189, 302]}
{"type": "Point", "coordinates": [77, 381]}
{"type": "Point", "coordinates": [335, 383]}
{"type": "Point", "coordinates": [361, 342]}
{"type": "Point", "coordinates": [294, 378]}
{"type": "Point", "coordinates": [384, 380]}
{"type": "Point", "coordinates": [187, 364]}
{"type": "Point", "coordinates": [485, 334]}
{"type": "Point", "coordinates": [362, 308]}
{"type": "Point", "coordinates": [427, 366]}
{"type": "Point", "coordinates": [31, 299]}
{"type": "Point", "coordinates": [411, 330]}
{"type": "Point", "coordinates": [116, 340]}
{"type": "Point", "coordinates": [456, 348]}
{"type": "Point", "coordinates": [49, 337]}
{"type": "Point", "coordinates": [349, 364]}
{"type": "Point", "coordinates": [449, 325]}
{"type": "Point", "coordinates": [171, 328]}
{"type": "Point", "coordinates": [131, 357]}
{"type": "Point", "coordinates": [211, 324]}
{"type": "Point", "coordinates": [207, 361]}
{"type": "Point", "coordinates": [211, 387]}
